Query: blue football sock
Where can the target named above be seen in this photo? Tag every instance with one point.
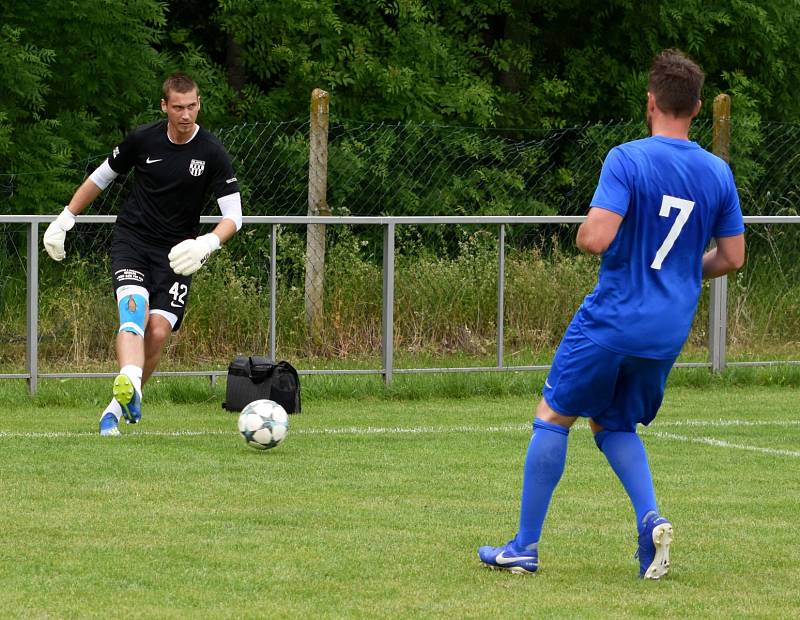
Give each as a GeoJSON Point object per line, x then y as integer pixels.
{"type": "Point", "coordinates": [627, 457]}
{"type": "Point", "coordinates": [544, 464]}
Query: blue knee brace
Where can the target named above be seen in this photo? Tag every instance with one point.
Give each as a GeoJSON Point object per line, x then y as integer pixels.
{"type": "Point", "coordinates": [132, 313]}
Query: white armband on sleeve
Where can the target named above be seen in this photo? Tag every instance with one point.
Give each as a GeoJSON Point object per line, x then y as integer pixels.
{"type": "Point", "coordinates": [103, 175]}
{"type": "Point", "coordinates": [231, 208]}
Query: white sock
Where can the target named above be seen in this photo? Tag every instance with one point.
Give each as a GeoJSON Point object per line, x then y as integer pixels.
{"type": "Point", "coordinates": [114, 408]}
{"type": "Point", "coordinates": [135, 375]}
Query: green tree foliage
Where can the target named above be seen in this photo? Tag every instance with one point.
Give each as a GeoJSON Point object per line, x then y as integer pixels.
{"type": "Point", "coordinates": [27, 135]}
{"type": "Point", "coordinates": [381, 60]}
{"type": "Point", "coordinates": [85, 70]}
{"type": "Point", "coordinates": [528, 63]}
{"type": "Point", "coordinates": [76, 76]}
{"type": "Point", "coordinates": [603, 55]}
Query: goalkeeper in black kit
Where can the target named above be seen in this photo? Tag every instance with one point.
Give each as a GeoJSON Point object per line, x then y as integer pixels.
{"type": "Point", "coordinates": [156, 247]}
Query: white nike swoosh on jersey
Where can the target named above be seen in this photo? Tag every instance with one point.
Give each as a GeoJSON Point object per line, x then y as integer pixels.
{"type": "Point", "coordinates": [502, 559]}
{"type": "Point", "coordinates": [151, 161]}
{"type": "Point", "coordinates": [547, 384]}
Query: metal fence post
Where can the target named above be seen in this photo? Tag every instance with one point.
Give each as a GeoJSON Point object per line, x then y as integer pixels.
{"type": "Point", "coordinates": [388, 303]}
{"type": "Point", "coordinates": [273, 283]}
{"type": "Point", "coordinates": [32, 309]}
{"type": "Point", "coordinates": [718, 302]}
{"type": "Point", "coordinates": [718, 323]}
{"type": "Point", "coordinates": [501, 282]}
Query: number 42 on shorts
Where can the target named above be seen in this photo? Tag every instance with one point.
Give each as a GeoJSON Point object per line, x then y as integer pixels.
{"type": "Point", "coordinates": [178, 292]}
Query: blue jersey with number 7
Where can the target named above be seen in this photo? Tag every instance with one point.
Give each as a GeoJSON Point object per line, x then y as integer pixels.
{"type": "Point", "coordinates": [674, 197]}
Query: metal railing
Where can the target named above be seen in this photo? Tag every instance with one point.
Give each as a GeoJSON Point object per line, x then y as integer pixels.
{"type": "Point", "coordinates": [716, 320]}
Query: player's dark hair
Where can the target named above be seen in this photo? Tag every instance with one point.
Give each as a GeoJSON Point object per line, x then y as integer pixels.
{"type": "Point", "coordinates": [178, 83]}
{"type": "Point", "coordinates": [676, 82]}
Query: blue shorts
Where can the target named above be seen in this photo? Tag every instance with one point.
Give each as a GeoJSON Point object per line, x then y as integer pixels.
{"type": "Point", "coordinates": [617, 391]}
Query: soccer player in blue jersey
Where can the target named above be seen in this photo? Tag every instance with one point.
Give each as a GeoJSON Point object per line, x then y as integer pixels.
{"type": "Point", "coordinates": [658, 203]}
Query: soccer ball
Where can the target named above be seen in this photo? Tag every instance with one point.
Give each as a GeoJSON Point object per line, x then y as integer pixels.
{"type": "Point", "coordinates": [263, 424]}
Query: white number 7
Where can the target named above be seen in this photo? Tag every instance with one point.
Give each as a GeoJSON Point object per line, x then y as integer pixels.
{"type": "Point", "coordinates": [667, 204]}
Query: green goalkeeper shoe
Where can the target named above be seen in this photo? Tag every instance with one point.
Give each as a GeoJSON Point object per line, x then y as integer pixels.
{"type": "Point", "coordinates": [128, 398]}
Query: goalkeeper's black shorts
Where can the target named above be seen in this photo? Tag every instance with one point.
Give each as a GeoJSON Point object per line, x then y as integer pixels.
{"type": "Point", "coordinates": [138, 263]}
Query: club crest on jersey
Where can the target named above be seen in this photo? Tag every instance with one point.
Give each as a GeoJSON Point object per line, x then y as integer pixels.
{"type": "Point", "coordinates": [196, 167]}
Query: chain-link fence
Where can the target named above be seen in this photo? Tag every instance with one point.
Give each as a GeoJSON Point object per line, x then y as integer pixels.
{"type": "Point", "coordinates": [446, 277]}
{"type": "Point", "coordinates": [412, 169]}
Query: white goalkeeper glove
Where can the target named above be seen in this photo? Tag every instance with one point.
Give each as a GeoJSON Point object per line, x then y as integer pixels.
{"type": "Point", "coordinates": [56, 233]}
{"type": "Point", "coordinates": [188, 256]}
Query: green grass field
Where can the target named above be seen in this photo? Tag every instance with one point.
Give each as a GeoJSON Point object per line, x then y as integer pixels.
{"type": "Point", "coordinates": [374, 507]}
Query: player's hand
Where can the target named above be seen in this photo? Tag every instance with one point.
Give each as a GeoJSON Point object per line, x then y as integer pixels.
{"type": "Point", "coordinates": [56, 233]}
{"type": "Point", "coordinates": [188, 256]}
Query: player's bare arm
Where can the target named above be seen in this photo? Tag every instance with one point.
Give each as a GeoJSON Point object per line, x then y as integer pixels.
{"type": "Point", "coordinates": [727, 256]}
{"type": "Point", "coordinates": [84, 196]}
{"type": "Point", "coordinates": [225, 230]}
{"type": "Point", "coordinates": [598, 230]}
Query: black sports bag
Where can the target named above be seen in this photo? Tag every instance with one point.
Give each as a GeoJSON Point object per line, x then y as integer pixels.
{"type": "Point", "coordinates": [254, 377]}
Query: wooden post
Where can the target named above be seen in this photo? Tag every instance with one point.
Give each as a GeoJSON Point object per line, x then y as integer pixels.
{"type": "Point", "coordinates": [317, 205]}
{"type": "Point", "coordinates": [721, 145]}
{"type": "Point", "coordinates": [718, 303]}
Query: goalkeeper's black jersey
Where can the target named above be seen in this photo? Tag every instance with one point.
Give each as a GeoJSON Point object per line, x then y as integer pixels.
{"type": "Point", "coordinates": [171, 182]}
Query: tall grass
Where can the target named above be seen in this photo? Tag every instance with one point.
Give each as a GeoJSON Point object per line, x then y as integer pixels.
{"type": "Point", "coordinates": [445, 303]}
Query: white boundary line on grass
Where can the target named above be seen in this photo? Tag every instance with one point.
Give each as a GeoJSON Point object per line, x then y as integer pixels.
{"type": "Point", "coordinates": [399, 430]}
{"type": "Point", "coordinates": [402, 430]}
{"type": "Point", "coordinates": [719, 443]}
{"type": "Point", "coordinates": [724, 422]}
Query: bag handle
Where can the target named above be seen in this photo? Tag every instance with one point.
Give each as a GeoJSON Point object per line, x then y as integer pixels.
{"type": "Point", "coordinates": [260, 368]}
